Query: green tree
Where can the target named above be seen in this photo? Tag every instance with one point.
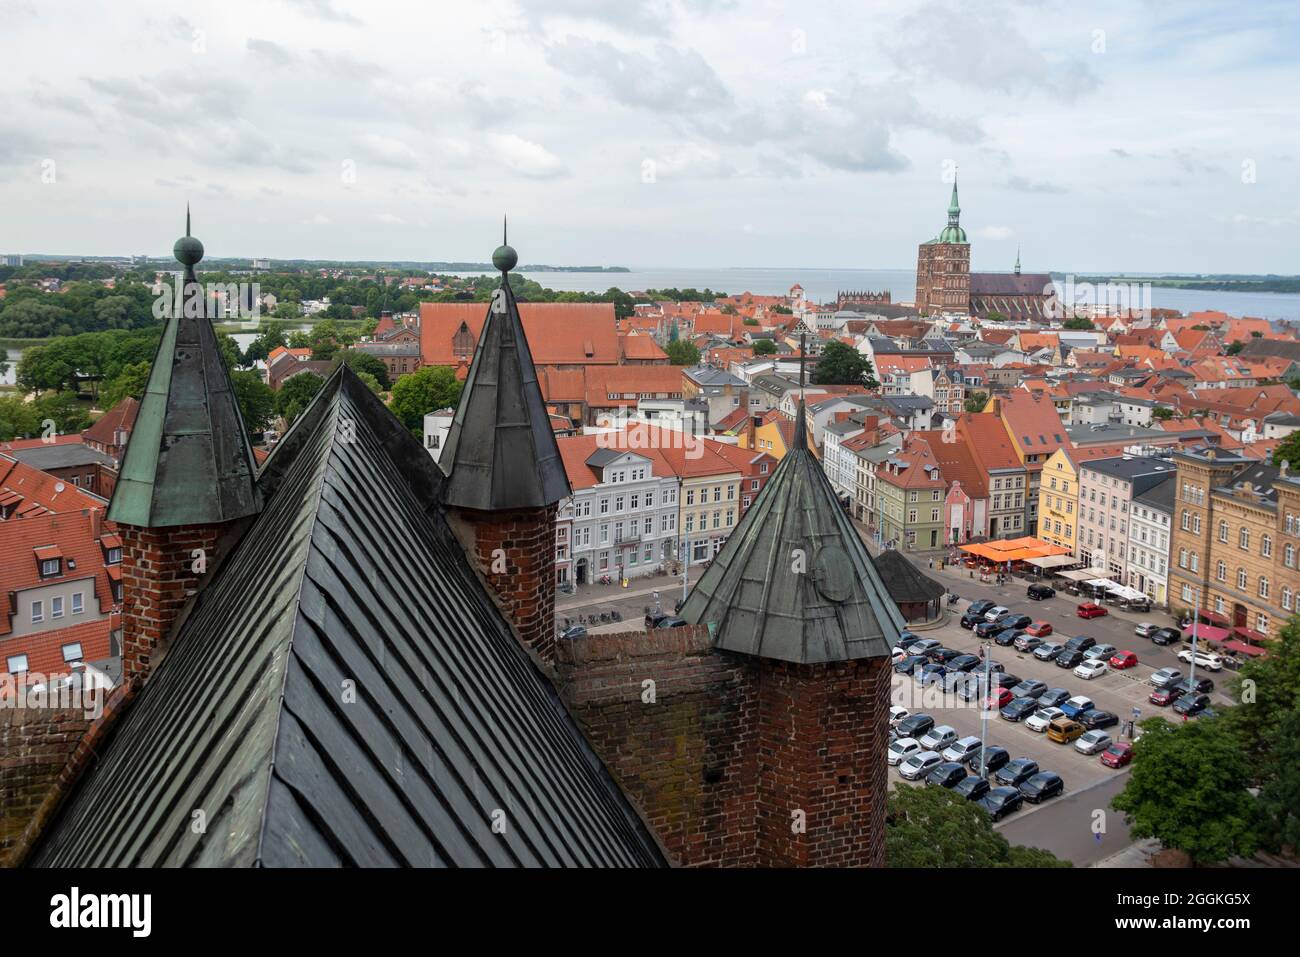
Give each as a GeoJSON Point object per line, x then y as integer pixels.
{"type": "Point", "coordinates": [257, 403]}
{"type": "Point", "coordinates": [1268, 690]}
{"type": "Point", "coordinates": [371, 382]}
{"type": "Point", "coordinates": [1288, 450]}
{"type": "Point", "coordinates": [976, 401]}
{"type": "Point", "coordinates": [996, 317]}
{"type": "Point", "coordinates": [130, 381]}
{"type": "Point", "coordinates": [65, 410]}
{"type": "Point", "coordinates": [18, 419]}
{"type": "Point", "coordinates": [1279, 799]}
{"type": "Point", "coordinates": [1161, 413]}
{"type": "Point", "coordinates": [1235, 347]}
{"type": "Point", "coordinates": [764, 347]}
{"type": "Point", "coordinates": [1188, 790]}
{"type": "Point", "coordinates": [1079, 323]}
{"type": "Point", "coordinates": [425, 390]}
{"type": "Point", "coordinates": [296, 394]}
{"type": "Point", "coordinates": [44, 367]}
{"type": "Point", "coordinates": [843, 365]}
{"type": "Point", "coordinates": [360, 362]}
{"type": "Point", "coordinates": [682, 353]}
{"type": "Point", "coordinates": [933, 827]}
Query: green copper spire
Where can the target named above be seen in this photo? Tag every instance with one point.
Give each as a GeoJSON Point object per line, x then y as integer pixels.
{"type": "Point", "coordinates": [953, 233]}
{"type": "Point", "coordinates": [188, 461]}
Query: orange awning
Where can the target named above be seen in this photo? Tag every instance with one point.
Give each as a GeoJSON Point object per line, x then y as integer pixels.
{"type": "Point", "coordinates": [1014, 549]}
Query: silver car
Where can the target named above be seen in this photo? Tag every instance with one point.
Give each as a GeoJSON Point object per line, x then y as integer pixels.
{"type": "Point", "coordinates": [961, 749]}
{"type": "Point", "coordinates": [996, 612]}
{"type": "Point", "coordinates": [919, 765]}
{"type": "Point", "coordinates": [1092, 742]}
{"type": "Point", "coordinates": [901, 750]}
{"type": "Point", "coordinates": [939, 738]}
{"type": "Point", "coordinates": [1165, 677]}
{"type": "Point", "coordinates": [1100, 651]}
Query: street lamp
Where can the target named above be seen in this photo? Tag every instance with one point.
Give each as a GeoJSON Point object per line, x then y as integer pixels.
{"type": "Point", "coordinates": [984, 711]}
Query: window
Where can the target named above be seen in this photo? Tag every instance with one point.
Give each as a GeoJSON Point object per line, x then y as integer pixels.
{"type": "Point", "coordinates": [1261, 623]}
{"type": "Point", "coordinates": [1286, 598]}
{"type": "Point", "coordinates": [1288, 555]}
{"type": "Point", "coordinates": [649, 525]}
{"type": "Point", "coordinates": [72, 651]}
{"type": "Point", "coordinates": [753, 485]}
{"type": "Point", "coordinates": [690, 496]}
{"type": "Point", "coordinates": [690, 522]}
{"type": "Point", "coordinates": [1243, 539]}
{"type": "Point", "coordinates": [17, 664]}
{"type": "Point", "coordinates": [1196, 524]}
{"type": "Point", "coordinates": [38, 611]}
{"type": "Point", "coordinates": [56, 606]}
{"type": "Point", "coordinates": [1241, 578]}
{"type": "Point", "coordinates": [604, 506]}
{"type": "Point", "coordinates": [618, 503]}
{"type": "Point", "coordinates": [649, 499]}
{"type": "Point", "coordinates": [77, 598]}
{"type": "Point", "coordinates": [1221, 571]}
{"type": "Point", "coordinates": [1223, 532]}
{"type": "Point", "coordinates": [115, 556]}
{"type": "Point", "coordinates": [1187, 593]}
{"type": "Point", "coordinates": [1266, 546]}
{"type": "Point", "coordinates": [50, 567]}
{"type": "Point", "coordinates": [1263, 586]}
{"type": "Point", "coordinates": [1187, 521]}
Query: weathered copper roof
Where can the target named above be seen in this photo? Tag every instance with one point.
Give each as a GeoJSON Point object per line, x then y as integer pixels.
{"type": "Point", "coordinates": [795, 581]}
{"type": "Point", "coordinates": [188, 461]}
{"type": "Point", "coordinates": [500, 452]}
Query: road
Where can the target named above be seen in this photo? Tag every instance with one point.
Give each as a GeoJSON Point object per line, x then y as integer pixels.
{"type": "Point", "coordinates": [1065, 826]}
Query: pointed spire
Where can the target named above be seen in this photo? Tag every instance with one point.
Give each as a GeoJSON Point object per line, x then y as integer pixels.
{"type": "Point", "coordinates": [954, 207]}
{"type": "Point", "coordinates": [800, 424]}
{"type": "Point", "coordinates": [501, 453]}
{"type": "Point", "coordinates": [188, 461]}
{"type": "Point", "coordinates": [953, 233]}
{"type": "Point", "coordinates": [1017, 259]}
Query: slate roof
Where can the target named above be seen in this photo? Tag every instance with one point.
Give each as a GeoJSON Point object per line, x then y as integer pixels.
{"type": "Point", "coordinates": [905, 582]}
{"type": "Point", "coordinates": [1009, 283]}
{"type": "Point", "coordinates": [245, 716]}
{"type": "Point", "coordinates": [500, 452]}
{"type": "Point", "coordinates": [835, 609]}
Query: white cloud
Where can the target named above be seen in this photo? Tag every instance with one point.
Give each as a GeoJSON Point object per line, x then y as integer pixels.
{"type": "Point", "coordinates": [524, 156]}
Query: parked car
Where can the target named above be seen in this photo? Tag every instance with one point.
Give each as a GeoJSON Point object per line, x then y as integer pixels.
{"type": "Point", "coordinates": [929, 674]}
{"type": "Point", "coordinates": [952, 680]}
{"type": "Point", "coordinates": [574, 631]}
{"type": "Point", "coordinates": [1076, 705]}
{"type": "Point", "coordinates": [1039, 629]}
{"type": "Point", "coordinates": [655, 622]}
{"type": "Point", "coordinates": [1018, 621]}
{"type": "Point", "coordinates": [897, 715]}
{"type": "Point", "coordinates": [1100, 651]}
{"type": "Point", "coordinates": [1191, 704]}
{"type": "Point", "coordinates": [1145, 629]}
{"type": "Point", "coordinates": [964, 662]}
{"type": "Point", "coordinates": [1165, 696]}
{"type": "Point", "coordinates": [998, 698]}
{"type": "Point", "coordinates": [1199, 686]}
{"type": "Point", "coordinates": [1027, 642]}
{"type": "Point", "coordinates": [975, 613]}
{"type": "Point", "coordinates": [1062, 730]}
{"type": "Point", "coordinates": [1123, 660]}
{"type": "Point", "coordinates": [1029, 688]}
{"type": "Point", "coordinates": [924, 646]}
{"type": "Point", "coordinates": [902, 749]}
{"type": "Point", "coordinates": [946, 775]}
{"type": "Point", "coordinates": [943, 655]}
{"type": "Point", "coordinates": [1039, 592]}
{"type": "Point", "coordinates": [1165, 636]}
{"type": "Point", "coordinates": [1080, 643]}
{"type": "Point", "coordinates": [996, 612]}
{"type": "Point", "coordinates": [961, 749]}
{"type": "Point", "coordinates": [1015, 773]}
{"type": "Point", "coordinates": [971, 787]}
{"type": "Point", "coordinates": [1001, 801]}
{"type": "Point", "coordinates": [1048, 650]}
{"type": "Point", "coordinates": [1053, 698]}
{"type": "Point", "coordinates": [986, 629]}
{"type": "Point", "coordinates": [915, 725]}
{"type": "Point", "coordinates": [908, 665]}
{"type": "Point", "coordinates": [1018, 708]}
{"type": "Point", "coordinates": [1092, 742]}
{"type": "Point", "coordinates": [1041, 787]}
{"type": "Point", "coordinates": [919, 764]}
{"type": "Point", "coordinates": [1007, 637]}
{"type": "Point", "coordinates": [936, 739]}
{"type": "Point", "coordinates": [1165, 677]}
{"type": "Point", "coordinates": [1040, 719]}
{"type": "Point", "coordinates": [1087, 670]}
{"type": "Point", "coordinates": [1094, 718]}
{"type": "Point", "coordinates": [1117, 755]}
{"type": "Point", "coordinates": [1204, 659]}
{"type": "Point", "coordinates": [1002, 679]}
{"type": "Point", "coordinates": [1068, 658]}
{"type": "Point", "coordinates": [1091, 609]}
{"type": "Point", "coordinates": [907, 640]}
{"type": "Point", "coordinates": [993, 757]}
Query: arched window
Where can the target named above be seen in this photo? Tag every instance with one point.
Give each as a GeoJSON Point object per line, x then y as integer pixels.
{"type": "Point", "coordinates": [1223, 531]}
{"type": "Point", "coordinates": [1243, 538]}
{"type": "Point", "coordinates": [1221, 571]}
{"type": "Point", "coordinates": [1266, 546]}
{"type": "Point", "coordinates": [1288, 555]}
{"type": "Point", "coordinates": [1286, 598]}
{"type": "Point", "coordinates": [1263, 587]}
{"type": "Point", "coordinates": [1241, 578]}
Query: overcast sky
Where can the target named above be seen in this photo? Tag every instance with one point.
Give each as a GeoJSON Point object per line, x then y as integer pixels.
{"type": "Point", "coordinates": [668, 133]}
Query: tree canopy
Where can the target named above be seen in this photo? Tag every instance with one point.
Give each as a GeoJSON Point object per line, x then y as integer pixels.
{"type": "Point", "coordinates": [682, 353]}
{"type": "Point", "coordinates": [426, 390]}
{"type": "Point", "coordinates": [933, 827]}
{"type": "Point", "coordinates": [843, 365]}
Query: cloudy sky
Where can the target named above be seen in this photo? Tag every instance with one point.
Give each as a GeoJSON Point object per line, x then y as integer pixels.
{"type": "Point", "coordinates": [1127, 135]}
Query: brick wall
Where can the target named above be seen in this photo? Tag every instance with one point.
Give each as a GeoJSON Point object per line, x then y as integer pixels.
{"type": "Point", "coordinates": [35, 745]}
{"type": "Point", "coordinates": [516, 554]}
{"type": "Point", "coordinates": [158, 578]}
{"type": "Point", "coordinates": [730, 747]}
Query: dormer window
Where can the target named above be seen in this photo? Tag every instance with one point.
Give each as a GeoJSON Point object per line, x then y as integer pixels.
{"type": "Point", "coordinates": [50, 561]}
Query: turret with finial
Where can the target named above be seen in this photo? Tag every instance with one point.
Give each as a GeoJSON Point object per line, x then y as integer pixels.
{"type": "Point", "coordinates": [188, 250]}
{"type": "Point", "coordinates": [504, 256]}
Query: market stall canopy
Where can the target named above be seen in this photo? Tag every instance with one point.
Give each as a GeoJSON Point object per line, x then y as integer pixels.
{"type": "Point", "coordinates": [1053, 561]}
{"type": "Point", "coordinates": [1124, 592]}
{"type": "Point", "coordinates": [1014, 549]}
{"type": "Point", "coordinates": [1083, 574]}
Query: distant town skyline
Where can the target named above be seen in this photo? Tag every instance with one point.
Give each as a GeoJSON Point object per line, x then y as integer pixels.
{"type": "Point", "coordinates": [665, 135]}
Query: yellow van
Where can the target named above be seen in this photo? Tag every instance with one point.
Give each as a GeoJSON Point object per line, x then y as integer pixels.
{"type": "Point", "coordinates": [1063, 730]}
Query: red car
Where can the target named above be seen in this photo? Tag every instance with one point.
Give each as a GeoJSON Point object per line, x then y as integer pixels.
{"type": "Point", "coordinates": [1117, 755]}
{"type": "Point", "coordinates": [1091, 610]}
{"type": "Point", "coordinates": [999, 698]}
{"type": "Point", "coordinates": [1123, 659]}
{"type": "Point", "coordinates": [1039, 629]}
{"type": "Point", "coordinates": [1164, 696]}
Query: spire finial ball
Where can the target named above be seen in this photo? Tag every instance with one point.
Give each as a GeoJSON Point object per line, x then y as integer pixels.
{"type": "Point", "coordinates": [505, 258]}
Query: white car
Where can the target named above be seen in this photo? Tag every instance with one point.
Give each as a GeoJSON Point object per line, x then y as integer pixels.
{"type": "Point", "coordinates": [897, 714]}
{"type": "Point", "coordinates": [996, 612]}
{"type": "Point", "coordinates": [901, 750]}
{"type": "Point", "coordinates": [939, 738]}
{"type": "Point", "coordinates": [919, 764]}
{"type": "Point", "coordinates": [1203, 659]}
{"type": "Point", "coordinates": [1145, 628]}
{"type": "Point", "coordinates": [1040, 719]}
{"type": "Point", "coordinates": [896, 655]}
{"type": "Point", "coordinates": [1090, 669]}
{"type": "Point", "coordinates": [1092, 742]}
{"type": "Point", "coordinates": [961, 750]}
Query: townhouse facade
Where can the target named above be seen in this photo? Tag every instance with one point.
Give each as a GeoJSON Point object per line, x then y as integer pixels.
{"type": "Point", "coordinates": [911, 490]}
{"type": "Point", "coordinates": [1150, 532]}
{"type": "Point", "coordinates": [1106, 491]}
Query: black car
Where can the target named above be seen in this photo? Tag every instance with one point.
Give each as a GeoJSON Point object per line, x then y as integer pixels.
{"type": "Point", "coordinates": [972, 788]}
{"type": "Point", "coordinates": [1053, 698]}
{"type": "Point", "coordinates": [1041, 786]}
{"type": "Point", "coordinates": [1018, 708]}
{"type": "Point", "coordinates": [1017, 772]}
{"type": "Point", "coordinates": [909, 664]}
{"type": "Point", "coordinates": [1069, 659]}
{"type": "Point", "coordinates": [1001, 801]}
{"type": "Point", "coordinates": [975, 613]}
{"type": "Point", "coordinates": [930, 674]}
{"type": "Point", "coordinates": [1018, 621]}
{"type": "Point", "coordinates": [946, 775]}
{"type": "Point", "coordinates": [1092, 719]}
{"type": "Point", "coordinates": [1192, 704]}
{"type": "Point", "coordinates": [1165, 636]}
{"type": "Point", "coordinates": [1040, 592]}
{"type": "Point", "coordinates": [909, 641]}
{"type": "Point", "coordinates": [995, 759]}
{"type": "Point", "coordinates": [942, 655]}
{"type": "Point", "coordinates": [1080, 643]}
{"type": "Point", "coordinates": [986, 628]}
{"type": "Point", "coordinates": [1003, 680]}
{"type": "Point", "coordinates": [915, 726]}
{"type": "Point", "coordinates": [964, 663]}
{"type": "Point", "coordinates": [663, 621]}
{"type": "Point", "coordinates": [1200, 686]}
{"type": "Point", "coordinates": [1007, 636]}
{"type": "Point", "coordinates": [1029, 688]}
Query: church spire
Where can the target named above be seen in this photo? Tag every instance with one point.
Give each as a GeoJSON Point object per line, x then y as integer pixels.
{"type": "Point", "coordinates": [1017, 259]}
{"type": "Point", "coordinates": [953, 233]}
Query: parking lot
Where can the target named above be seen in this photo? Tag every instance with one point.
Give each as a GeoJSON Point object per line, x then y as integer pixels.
{"type": "Point", "coordinates": [1119, 692]}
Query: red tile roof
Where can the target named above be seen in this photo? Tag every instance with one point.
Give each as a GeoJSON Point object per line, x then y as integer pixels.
{"type": "Point", "coordinates": [121, 416]}
{"type": "Point", "coordinates": [27, 491]}
{"type": "Point", "coordinates": [640, 347]}
{"type": "Point", "coordinates": [559, 333]}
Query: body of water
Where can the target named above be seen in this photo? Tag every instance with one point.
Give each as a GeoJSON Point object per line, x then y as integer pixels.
{"type": "Point", "coordinates": [822, 285]}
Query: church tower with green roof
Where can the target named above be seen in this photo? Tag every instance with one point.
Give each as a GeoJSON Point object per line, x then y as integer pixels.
{"type": "Point", "coordinates": [943, 267]}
